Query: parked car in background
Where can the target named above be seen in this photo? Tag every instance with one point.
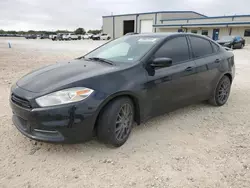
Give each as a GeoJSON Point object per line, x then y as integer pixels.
{"type": "Point", "coordinates": [31, 37]}
{"type": "Point", "coordinates": [232, 41]}
{"type": "Point", "coordinates": [127, 80]}
{"type": "Point", "coordinates": [44, 36]}
{"type": "Point", "coordinates": [105, 37]}
{"type": "Point", "coordinates": [87, 36]}
{"type": "Point", "coordinates": [96, 37]}
{"type": "Point", "coordinates": [70, 36]}
{"type": "Point", "coordinates": [53, 37]}
{"type": "Point", "coordinates": [131, 33]}
{"type": "Point", "coordinates": [59, 37]}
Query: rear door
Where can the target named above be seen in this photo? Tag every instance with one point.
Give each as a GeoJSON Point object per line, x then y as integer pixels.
{"type": "Point", "coordinates": [171, 87]}
{"type": "Point", "coordinates": [207, 58]}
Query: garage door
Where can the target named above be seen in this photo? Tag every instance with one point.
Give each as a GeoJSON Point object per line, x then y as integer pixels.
{"type": "Point", "coordinates": [146, 26]}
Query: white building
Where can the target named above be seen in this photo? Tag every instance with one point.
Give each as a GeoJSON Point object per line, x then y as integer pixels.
{"type": "Point", "coordinates": [177, 21]}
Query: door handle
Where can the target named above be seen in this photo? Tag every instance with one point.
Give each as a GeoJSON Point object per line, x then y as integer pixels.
{"type": "Point", "coordinates": [189, 69]}
{"type": "Point", "coordinates": [217, 61]}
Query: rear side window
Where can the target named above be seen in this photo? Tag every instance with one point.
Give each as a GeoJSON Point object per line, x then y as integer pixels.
{"type": "Point", "coordinates": [176, 49]}
{"type": "Point", "coordinates": [201, 47]}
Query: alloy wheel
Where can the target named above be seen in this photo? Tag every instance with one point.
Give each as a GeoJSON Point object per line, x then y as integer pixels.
{"type": "Point", "coordinates": [223, 92]}
{"type": "Point", "coordinates": [124, 122]}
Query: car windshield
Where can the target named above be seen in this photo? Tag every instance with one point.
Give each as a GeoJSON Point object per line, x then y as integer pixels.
{"type": "Point", "coordinates": [127, 49]}
{"type": "Point", "coordinates": [227, 38]}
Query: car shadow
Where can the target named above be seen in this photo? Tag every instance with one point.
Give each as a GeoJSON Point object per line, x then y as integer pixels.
{"type": "Point", "coordinates": [165, 123]}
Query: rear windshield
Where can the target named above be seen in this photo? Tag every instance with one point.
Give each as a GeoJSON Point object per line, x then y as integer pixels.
{"type": "Point", "coordinates": [227, 38]}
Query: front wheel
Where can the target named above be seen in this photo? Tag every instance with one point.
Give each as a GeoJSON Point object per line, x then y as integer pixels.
{"type": "Point", "coordinates": [115, 122]}
{"type": "Point", "coordinates": [222, 92]}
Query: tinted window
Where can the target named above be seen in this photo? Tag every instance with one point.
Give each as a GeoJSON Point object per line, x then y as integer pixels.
{"type": "Point", "coordinates": [176, 49]}
{"type": "Point", "coordinates": [200, 46]}
{"type": "Point", "coordinates": [194, 31]}
{"type": "Point", "coordinates": [247, 33]}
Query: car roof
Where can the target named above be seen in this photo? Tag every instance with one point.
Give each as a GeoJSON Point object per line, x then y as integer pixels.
{"type": "Point", "coordinates": [165, 35]}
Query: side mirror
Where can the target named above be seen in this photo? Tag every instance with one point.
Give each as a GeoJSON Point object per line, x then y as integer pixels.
{"type": "Point", "coordinates": [161, 62]}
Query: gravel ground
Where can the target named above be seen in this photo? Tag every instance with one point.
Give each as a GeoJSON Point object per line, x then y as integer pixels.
{"type": "Point", "coordinates": [197, 146]}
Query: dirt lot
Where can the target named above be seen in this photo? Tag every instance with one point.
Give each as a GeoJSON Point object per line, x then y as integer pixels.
{"type": "Point", "coordinates": [197, 146]}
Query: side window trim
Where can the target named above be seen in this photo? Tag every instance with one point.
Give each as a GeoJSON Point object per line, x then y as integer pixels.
{"type": "Point", "coordinates": [214, 50]}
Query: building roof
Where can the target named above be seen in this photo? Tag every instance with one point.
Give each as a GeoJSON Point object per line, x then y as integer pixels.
{"type": "Point", "coordinates": [158, 12]}
{"type": "Point", "coordinates": [212, 17]}
{"type": "Point", "coordinates": [202, 24]}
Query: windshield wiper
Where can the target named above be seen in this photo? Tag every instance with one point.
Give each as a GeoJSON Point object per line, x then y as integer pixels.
{"type": "Point", "coordinates": [102, 60]}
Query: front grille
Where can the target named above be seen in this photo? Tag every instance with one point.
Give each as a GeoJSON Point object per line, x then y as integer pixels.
{"type": "Point", "coordinates": [20, 101]}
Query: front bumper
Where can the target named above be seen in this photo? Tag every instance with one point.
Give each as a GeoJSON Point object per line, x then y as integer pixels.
{"type": "Point", "coordinates": [68, 123]}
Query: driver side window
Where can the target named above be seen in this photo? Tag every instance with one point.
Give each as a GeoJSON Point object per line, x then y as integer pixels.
{"type": "Point", "coordinates": [176, 49]}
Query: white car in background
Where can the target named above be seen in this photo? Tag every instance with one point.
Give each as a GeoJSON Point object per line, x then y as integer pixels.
{"type": "Point", "coordinates": [52, 36]}
{"type": "Point", "coordinates": [70, 36]}
{"type": "Point", "coordinates": [105, 37]}
{"type": "Point", "coordinates": [87, 36]}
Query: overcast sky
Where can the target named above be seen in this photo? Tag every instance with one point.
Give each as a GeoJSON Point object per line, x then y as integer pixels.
{"type": "Point", "coordinates": [71, 14]}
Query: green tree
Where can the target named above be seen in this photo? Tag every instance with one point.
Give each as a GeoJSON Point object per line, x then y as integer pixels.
{"type": "Point", "coordinates": [11, 32]}
{"type": "Point", "coordinates": [63, 31]}
{"type": "Point", "coordinates": [95, 31]}
{"type": "Point", "coordinates": [80, 31]}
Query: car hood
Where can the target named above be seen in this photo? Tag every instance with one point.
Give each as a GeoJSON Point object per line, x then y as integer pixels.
{"type": "Point", "coordinates": [224, 41]}
{"type": "Point", "coordinates": [60, 75]}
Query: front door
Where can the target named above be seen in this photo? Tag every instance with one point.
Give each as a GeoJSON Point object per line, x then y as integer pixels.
{"type": "Point", "coordinates": [171, 87]}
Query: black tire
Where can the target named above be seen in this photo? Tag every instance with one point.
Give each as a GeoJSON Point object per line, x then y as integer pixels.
{"type": "Point", "coordinates": [222, 92]}
{"type": "Point", "coordinates": [113, 126]}
{"type": "Point", "coordinates": [108, 38]}
{"type": "Point", "coordinates": [242, 46]}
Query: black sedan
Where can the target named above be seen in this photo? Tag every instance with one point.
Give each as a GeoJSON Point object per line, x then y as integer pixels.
{"type": "Point", "coordinates": [127, 80]}
{"type": "Point", "coordinates": [44, 36]}
{"type": "Point", "coordinates": [31, 37]}
{"type": "Point", "coordinates": [232, 42]}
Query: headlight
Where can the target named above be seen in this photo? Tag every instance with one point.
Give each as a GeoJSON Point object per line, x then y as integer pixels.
{"type": "Point", "coordinates": [64, 96]}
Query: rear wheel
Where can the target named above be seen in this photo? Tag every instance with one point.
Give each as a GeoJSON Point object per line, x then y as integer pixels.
{"type": "Point", "coordinates": [115, 122]}
{"type": "Point", "coordinates": [222, 92]}
{"type": "Point", "coordinates": [242, 46]}
{"type": "Point", "coordinates": [108, 38]}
